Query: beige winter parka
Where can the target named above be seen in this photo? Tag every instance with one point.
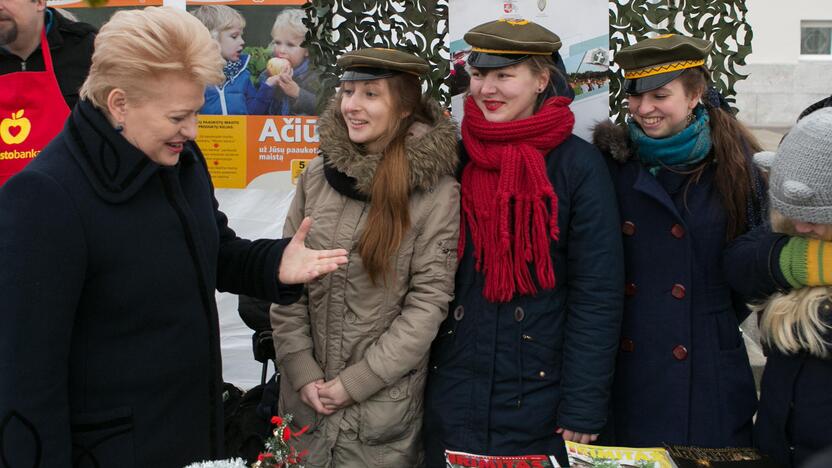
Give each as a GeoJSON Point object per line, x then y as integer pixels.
{"type": "Point", "coordinates": [375, 337]}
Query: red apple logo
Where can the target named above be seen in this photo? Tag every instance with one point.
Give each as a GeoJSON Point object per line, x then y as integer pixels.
{"type": "Point", "coordinates": [15, 130]}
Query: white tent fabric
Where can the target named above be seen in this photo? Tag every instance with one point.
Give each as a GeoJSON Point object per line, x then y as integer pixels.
{"type": "Point", "coordinates": [253, 214]}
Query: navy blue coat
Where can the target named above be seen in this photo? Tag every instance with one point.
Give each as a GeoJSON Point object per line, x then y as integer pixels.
{"type": "Point", "coordinates": [109, 344]}
{"type": "Point", "coordinates": [682, 374]}
{"type": "Point", "coordinates": [792, 421]}
{"type": "Point", "coordinates": [504, 377]}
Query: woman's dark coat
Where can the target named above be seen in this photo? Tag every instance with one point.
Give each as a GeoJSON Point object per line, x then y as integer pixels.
{"type": "Point", "coordinates": [795, 399]}
{"type": "Point", "coordinates": [682, 374]}
{"type": "Point", "coordinates": [109, 344]}
{"type": "Point", "coordinates": [504, 377]}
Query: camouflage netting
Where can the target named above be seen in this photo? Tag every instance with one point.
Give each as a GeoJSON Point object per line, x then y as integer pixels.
{"type": "Point", "coordinates": [337, 26]}
{"type": "Point", "coordinates": [723, 22]}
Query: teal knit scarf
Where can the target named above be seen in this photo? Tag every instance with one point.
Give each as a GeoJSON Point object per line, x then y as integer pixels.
{"type": "Point", "coordinates": [685, 148]}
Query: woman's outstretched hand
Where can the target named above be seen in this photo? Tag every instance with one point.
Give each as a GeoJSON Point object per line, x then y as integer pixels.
{"type": "Point", "coordinates": [301, 264]}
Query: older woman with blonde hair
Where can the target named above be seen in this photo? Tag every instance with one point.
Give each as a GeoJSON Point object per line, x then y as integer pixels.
{"type": "Point", "coordinates": [112, 248]}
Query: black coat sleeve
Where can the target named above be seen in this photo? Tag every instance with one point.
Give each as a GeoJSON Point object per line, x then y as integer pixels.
{"type": "Point", "coordinates": [43, 257]}
{"type": "Point", "coordinates": [751, 264]}
{"type": "Point", "coordinates": [596, 294]}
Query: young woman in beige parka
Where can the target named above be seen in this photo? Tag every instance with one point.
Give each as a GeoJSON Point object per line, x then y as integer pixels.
{"type": "Point", "coordinates": [353, 351]}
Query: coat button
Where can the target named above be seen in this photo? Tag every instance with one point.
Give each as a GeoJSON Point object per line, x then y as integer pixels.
{"type": "Point", "coordinates": [680, 353]}
{"type": "Point", "coordinates": [677, 231]}
{"type": "Point", "coordinates": [627, 345]}
{"type": "Point", "coordinates": [459, 312]}
{"type": "Point", "coordinates": [519, 314]}
{"type": "Point", "coordinates": [630, 289]}
{"type": "Point", "coordinates": [350, 317]}
{"type": "Point", "coordinates": [628, 228]}
{"type": "Point", "coordinates": [678, 291]}
{"type": "Point", "coordinates": [394, 392]}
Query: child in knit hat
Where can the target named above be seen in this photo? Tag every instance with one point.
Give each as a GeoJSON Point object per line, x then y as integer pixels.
{"type": "Point", "coordinates": [794, 259]}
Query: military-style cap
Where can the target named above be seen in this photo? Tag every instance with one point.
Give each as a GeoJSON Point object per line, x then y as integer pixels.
{"type": "Point", "coordinates": [654, 62]}
{"type": "Point", "coordinates": [501, 43]}
{"type": "Point", "coordinates": [376, 62]}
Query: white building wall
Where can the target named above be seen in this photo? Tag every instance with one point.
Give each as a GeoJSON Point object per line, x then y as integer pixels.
{"type": "Point", "coordinates": [781, 82]}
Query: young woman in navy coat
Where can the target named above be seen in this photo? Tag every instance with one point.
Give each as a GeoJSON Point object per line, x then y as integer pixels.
{"type": "Point", "coordinates": [525, 358]}
{"type": "Point", "coordinates": [112, 247]}
{"type": "Point", "coordinates": [786, 270]}
{"type": "Point", "coordinates": [685, 186]}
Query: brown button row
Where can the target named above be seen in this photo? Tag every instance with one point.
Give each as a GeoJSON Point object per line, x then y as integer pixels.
{"type": "Point", "coordinates": [629, 229]}
{"type": "Point", "coordinates": [678, 291]}
{"type": "Point", "coordinates": [628, 346]}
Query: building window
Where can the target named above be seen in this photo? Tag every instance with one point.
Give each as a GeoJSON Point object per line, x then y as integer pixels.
{"type": "Point", "coordinates": [816, 37]}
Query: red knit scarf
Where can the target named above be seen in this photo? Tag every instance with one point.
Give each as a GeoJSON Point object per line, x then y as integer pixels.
{"type": "Point", "coordinates": [507, 169]}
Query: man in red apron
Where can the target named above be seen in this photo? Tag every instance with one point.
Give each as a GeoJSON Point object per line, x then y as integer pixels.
{"type": "Point", "coordinates": [33, 103]}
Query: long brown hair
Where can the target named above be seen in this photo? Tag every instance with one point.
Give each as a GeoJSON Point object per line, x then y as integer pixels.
{"type": "Point", "coordinates": [732, 142]}
{"type": "Point", "coordinates": [389, 217]}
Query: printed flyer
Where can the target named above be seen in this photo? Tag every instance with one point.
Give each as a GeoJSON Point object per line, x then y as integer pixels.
{"type": "Point", "coordinates": [464, 460]}
{"type": "Point", "coordinates": [592, 456]}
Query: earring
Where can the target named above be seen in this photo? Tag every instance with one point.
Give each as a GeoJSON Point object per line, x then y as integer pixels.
{"type": "Point", "coordinates": [119, 128]}
{"type": "Point", "coordinates": [690, 118]}
{"type": "Point", "coordinates": [539, 90]}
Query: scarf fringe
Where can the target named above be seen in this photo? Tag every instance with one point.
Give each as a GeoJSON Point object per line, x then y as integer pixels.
{"type": "Point", "coordinates": [507, 167]}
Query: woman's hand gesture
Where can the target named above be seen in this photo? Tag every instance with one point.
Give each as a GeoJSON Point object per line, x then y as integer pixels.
{"type": "Point", "coordinates": [301, 264]}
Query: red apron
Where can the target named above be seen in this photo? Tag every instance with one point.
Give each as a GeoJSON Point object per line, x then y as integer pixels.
{"type": "Point", "coordinates": [32, 112]}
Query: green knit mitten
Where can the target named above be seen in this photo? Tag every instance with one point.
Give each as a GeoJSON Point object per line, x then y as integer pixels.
{"type": "Point", "coordinates": [807, 262]}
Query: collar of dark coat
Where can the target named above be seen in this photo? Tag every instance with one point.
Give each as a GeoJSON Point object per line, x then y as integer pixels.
{"type": "Point", "coordinates": [116, 169]}
{"type": "Point", "coordinates": [613, 140]}
{"type": "Point", "coordinates": [349, 171]}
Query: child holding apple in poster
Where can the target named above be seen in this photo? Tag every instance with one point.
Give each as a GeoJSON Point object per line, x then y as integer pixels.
{"type": "Point", "coordinates": [233, 96]}
{"type": "Point", "coordinates": [289, 85]}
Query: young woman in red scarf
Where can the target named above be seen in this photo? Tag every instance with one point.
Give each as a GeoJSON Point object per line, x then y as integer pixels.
{"type": "Point", "coordinates": [526, 356]}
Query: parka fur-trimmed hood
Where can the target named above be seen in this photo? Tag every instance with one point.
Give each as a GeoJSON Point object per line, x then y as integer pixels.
{"type": "Point", "coordinates": [431, 153]}
{"type": "Point", "coordinates": [613, 140]}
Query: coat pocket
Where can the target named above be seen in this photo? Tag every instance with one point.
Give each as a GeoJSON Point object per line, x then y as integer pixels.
{"type": "Point", "coordinates": [103, 438]}
{"type": "Point", "coordinates": [387, 415]}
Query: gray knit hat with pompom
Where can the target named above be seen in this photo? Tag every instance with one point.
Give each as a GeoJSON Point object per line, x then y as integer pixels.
{"type": "Point", "coordinates": [800, 179]}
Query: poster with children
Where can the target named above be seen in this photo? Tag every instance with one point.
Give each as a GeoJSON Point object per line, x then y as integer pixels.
{"type": "Point", "coordinates": [258, 128]}
{"type": "Point", "coordinates": [583, 27]}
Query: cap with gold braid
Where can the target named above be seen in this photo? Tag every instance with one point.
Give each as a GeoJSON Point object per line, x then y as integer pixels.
{"type": "Point", "coordinates": [654, 62]}
{"type": "Point", "coordinates": [501, 43]}
{"type": "Point", "coordinates": [376, 62]}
